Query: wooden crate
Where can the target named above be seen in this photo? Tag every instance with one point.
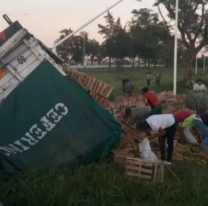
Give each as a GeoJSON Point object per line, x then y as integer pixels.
{"type": "Point", "coordinates": [120, 156]}
{"type": "Point", "coordinates": [90, 83]}
{"type": "Point", "coordinates": [138, 168]}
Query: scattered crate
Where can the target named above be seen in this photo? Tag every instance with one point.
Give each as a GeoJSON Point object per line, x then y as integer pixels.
{"type": "Point", "coordinates": [120, 156]}
{"type": "Point", "coordinates": [138, 168]}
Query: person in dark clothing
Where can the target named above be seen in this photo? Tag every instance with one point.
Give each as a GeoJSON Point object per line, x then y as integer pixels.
{"type": "Point", "coordinates": [165, 126]}
{"type": "Point", "coordinates": [129, 88]}
{"type": "Point", "coordinates": [204, 118]}
{"type": "Point", "coordinates": [124, 80]}
{"type": "Point", "coordinates": [151, 100]}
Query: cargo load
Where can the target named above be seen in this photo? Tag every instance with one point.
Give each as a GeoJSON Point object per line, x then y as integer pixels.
{"type": "Point", "coordinates": [46, 117]}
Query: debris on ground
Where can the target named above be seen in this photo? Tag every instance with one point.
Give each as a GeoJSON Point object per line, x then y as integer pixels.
{"type": "Point", "coordinates": [130, 139]}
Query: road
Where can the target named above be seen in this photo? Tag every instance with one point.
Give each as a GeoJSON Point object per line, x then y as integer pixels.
{"type": "Point", "coordinates": [102, 67]}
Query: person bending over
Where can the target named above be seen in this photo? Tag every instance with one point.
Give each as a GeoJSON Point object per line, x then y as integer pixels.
{"type": "Point", "coordinates": [200, 121]}
{"type": "Point", "coordinates": [180, 117]}
{"type": "Point", "coordinates": [136, 114]}
{"type": "Point", "coordinates": [165, 126]}
{"type": "Point", "coordinates": [151, 100]}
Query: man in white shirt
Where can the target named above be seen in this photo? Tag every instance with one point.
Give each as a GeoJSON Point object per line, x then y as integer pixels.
{"type": "Point", "coordinates": [165, 126]}
{"type": "Point", "coordinates": [199, 86]}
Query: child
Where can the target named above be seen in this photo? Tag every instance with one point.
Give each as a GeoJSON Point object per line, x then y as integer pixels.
{"type": "Point", "coordinates": [165, 126]}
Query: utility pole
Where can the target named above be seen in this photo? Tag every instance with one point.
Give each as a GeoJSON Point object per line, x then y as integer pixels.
{"type": "Point", "coordinates": [84, 48]}
{"type": "Point", "coordinates": [196, 66]}
{"type": "Point", "coordinates": [175, 51]}
{"type": "Point", "coordinates": [204, 66]}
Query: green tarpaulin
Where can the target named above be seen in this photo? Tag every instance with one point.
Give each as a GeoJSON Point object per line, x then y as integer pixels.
{"type": "Point", "coordinates": [51, 120]}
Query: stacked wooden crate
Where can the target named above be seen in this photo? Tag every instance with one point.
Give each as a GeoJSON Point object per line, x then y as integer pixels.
{"type": "Point", "coordinates": [95, 87]}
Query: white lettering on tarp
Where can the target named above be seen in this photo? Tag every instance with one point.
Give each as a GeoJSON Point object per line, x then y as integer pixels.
{"type": "Point", "coordinates": [5, 150]}
{"type": "Point", "coordinates": [11, 149]}
{"type": "Point", "coordinates": [36, 133]}
{"type": "Point", "coordinates": [29, 141]}
{"type": "Point", "coordinates": [52, 114]}
{"type": "Point", "coordinates": [25, 148]}
{"type": "Point", "coordinates": [64, 108]}
{"type": "Point", "coordinates": [47, 124]}
{"type": "Point", "coordinates": [33, 140]}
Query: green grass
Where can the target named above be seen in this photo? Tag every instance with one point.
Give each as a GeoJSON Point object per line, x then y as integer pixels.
{"type": "Point", "coordinates": [137, 76]}
{"type": "Point", "coordinates": [105, 184]}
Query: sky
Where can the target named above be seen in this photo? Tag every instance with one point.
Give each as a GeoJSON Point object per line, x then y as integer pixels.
{"type": "Point", "coordinates": [45, 18]}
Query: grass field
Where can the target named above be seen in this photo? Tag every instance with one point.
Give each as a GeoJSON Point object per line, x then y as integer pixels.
{"type": "Point", "coordinates": [138, 78]}
{"type": "Point", "coordinates": [105, 184]}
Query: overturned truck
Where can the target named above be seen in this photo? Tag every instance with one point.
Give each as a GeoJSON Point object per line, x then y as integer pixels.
{"type": "Point", "coordinates": [46, 117]}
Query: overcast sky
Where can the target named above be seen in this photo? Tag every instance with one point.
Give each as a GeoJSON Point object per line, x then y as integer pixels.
{"type": "Point", "coordinates": [45, 18]}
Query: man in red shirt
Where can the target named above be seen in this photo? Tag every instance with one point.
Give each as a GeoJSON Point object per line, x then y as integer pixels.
{"type": "Point", "coordinates": [183, 114]}
{"type": "Point", "coordinates": [151, 100]}
{"type": "Point", "coordinates": [180, 117]}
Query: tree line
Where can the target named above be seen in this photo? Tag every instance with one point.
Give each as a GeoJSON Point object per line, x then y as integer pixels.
{"type": "Point", "coordinates": [148, 36]}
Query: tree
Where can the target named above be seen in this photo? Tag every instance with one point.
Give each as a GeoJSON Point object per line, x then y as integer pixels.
{"type": "Point", "coordinates": [136, 42]}
{"type": "Point", "coordinates": [117, 40]}
{"type": "Point", "coordinates": [93, 49]}
{"type": "Point", "coordinates": [72, 48]}
{"type": "Point", "coordinates": [107, 32]}
{"type": "Point", "coordinates": [63, 49]}
{"type": "Point", "coordinates": [167, 52]}
{"type": "Point", "coordinates": [192, 25]}
{"type": "Point", "coordinates": [121, 43]}
{"type": "Point", "coordinates": [76, 49]}
{"type": "Point", "coordinates": [108, 29]}
{"type": "Point", "coordinates": [102, 52]}
{"type": "Point", "coordinates": [149, 33]}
